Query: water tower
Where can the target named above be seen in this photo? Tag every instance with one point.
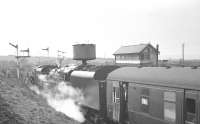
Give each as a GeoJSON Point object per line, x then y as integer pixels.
{"type": "Point", "coordinates": [84, 52]}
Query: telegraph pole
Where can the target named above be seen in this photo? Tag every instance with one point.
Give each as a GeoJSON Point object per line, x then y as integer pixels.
{"type": "Point", "coordinates": [48, 51]}
{"type": "Point", "coordinates": [183, 53]}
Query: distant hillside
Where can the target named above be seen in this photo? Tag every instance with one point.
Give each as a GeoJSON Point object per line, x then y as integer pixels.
{"type": "Point", "coordinates": [99, 61]}
{"type": "Point", "coordinates": [52, 60]}
{"type": "Point", "coordinates": [7, 58]}
{"type": "Point", "coordinates": [195, 62]}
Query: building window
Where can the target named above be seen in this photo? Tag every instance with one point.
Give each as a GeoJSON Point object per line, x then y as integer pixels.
{"type": "Point", "coordinates": [170, 106]}
{"type": "Point", "coordinates": [124, 57]}
{"type": "Point", "coordinates": [190, 111]}
{"type": "Point", "coordinates": [117, 57]}
{"type": "Point", "coordinates": [142, 56]}
{"type": "Point", "coordinates": [146, 53]}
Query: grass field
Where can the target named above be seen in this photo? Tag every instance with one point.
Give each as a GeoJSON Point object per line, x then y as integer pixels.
{"type": "Point", "coordinates": [19, 104]}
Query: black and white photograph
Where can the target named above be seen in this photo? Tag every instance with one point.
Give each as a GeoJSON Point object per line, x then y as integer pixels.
{"type": "Point", "coordinates": [100, 62]}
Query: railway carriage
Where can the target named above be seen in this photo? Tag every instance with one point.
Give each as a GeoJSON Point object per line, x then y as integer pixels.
{"type": "Point", "coordinates": [154, 95]}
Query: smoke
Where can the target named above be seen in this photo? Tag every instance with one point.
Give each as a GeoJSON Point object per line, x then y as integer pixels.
{"type": "Point", "coordinates": [42, 77]}
{"type": "Point", "coordinates": [62, 97]}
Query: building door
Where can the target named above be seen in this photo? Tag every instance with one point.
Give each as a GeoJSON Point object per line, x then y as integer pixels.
{"type": "Point", "coordinates": [116, 101]}
{"type": "Point", "coordinates": [191, 107]}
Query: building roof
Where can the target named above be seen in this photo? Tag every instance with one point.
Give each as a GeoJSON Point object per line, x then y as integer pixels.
{"type": "Point", "coordinates": [131, 49]}
{"type": "Point", "coordinates": [177, 77]}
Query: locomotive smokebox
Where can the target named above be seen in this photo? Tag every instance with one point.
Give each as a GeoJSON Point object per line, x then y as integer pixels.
{"type": "Point", "coordinates": [84, 52]}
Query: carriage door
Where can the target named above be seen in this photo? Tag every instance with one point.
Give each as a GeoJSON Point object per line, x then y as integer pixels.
{"type": "Point", "coordinates": [102, 98]}
{"type": "Point", "coordinates": [123, 102]}
{"type": "Point", "coordinates": [191, 107]}
{"type": "Point", "coordinates": [116, 101]}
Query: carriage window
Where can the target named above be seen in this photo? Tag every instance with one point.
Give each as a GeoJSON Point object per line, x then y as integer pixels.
{"type": "Point", "coordinates": [125, 90]}
{"type": "Point", "coordinates": [190, 108]}
{"type": "Point", "coordinates": [116, 95]}
{"type": "Point", "coordinates": [170, 106]}
{"type": "Point", "coordinates": [144, 100]}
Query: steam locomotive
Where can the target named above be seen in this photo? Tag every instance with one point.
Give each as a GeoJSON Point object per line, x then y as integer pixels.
{"type": "Point", "coordinates": [139, 95]}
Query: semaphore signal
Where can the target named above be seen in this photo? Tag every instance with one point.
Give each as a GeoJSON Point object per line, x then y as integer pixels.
{"type": "Point", "coordinates": [18, 57]}
{"type": "Point", "coordinates": [47, 49]}
{"type": "Point", "coordinates": [26, 51]}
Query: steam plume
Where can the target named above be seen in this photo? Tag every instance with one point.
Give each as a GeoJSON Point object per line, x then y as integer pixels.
{"type": "Point", "coordinates": [62, 97]}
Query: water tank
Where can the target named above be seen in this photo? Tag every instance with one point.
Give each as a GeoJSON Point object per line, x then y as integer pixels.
{"type": "Point", "coordinates": [84, 51]}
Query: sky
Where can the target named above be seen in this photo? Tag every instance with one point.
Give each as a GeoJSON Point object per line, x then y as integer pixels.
{"type": "Point", "coordinates": [58, 24]}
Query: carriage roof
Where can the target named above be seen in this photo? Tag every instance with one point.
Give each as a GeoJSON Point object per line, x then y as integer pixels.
{"type": "Point", "coordinates": [177, 77]}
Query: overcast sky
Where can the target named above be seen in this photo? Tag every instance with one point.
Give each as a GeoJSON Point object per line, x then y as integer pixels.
{"type": "Point", "coordinates": [109, 24]}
